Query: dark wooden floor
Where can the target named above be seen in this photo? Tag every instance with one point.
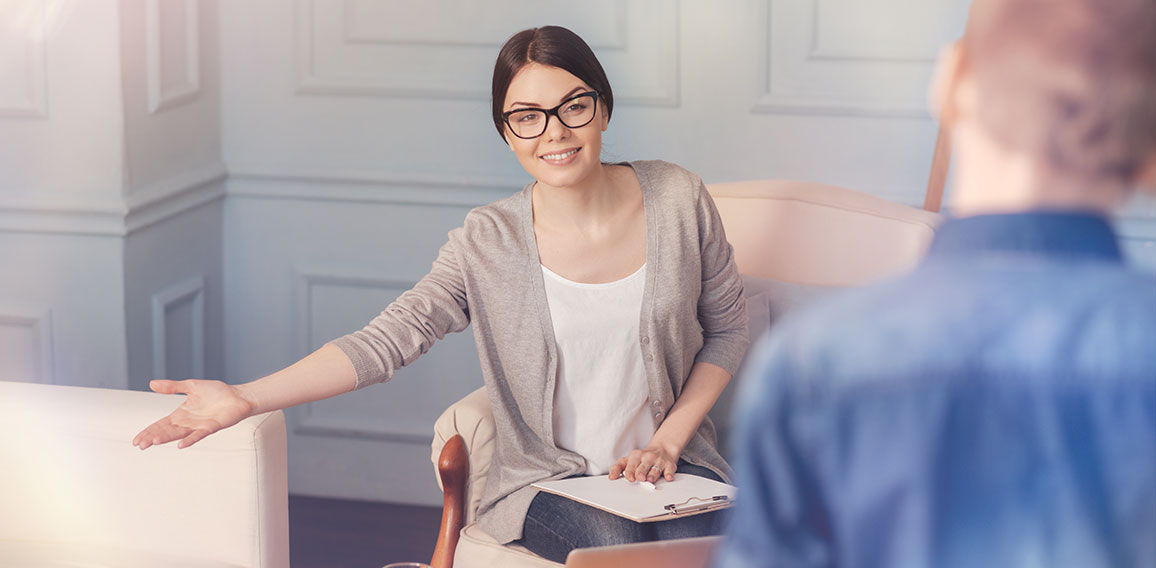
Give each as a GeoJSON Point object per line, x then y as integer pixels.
{"type": "Point", "coordinates": [333, 533]}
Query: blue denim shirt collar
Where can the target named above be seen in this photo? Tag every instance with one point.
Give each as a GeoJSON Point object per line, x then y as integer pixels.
{"type": "Point", "coordinates": [1037, 233]}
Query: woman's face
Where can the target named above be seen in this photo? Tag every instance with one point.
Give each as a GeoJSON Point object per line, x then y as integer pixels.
{"type": "Point", "coordinates": [561, 156]}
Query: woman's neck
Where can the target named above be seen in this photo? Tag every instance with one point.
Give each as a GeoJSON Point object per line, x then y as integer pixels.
{"type": "Point", "coordinates": [589, 203]}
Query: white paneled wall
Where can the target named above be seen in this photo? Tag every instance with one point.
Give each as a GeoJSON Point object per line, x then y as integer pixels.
{"type": "Point", "coordinates": [111, 183]}
{"type": "Point", "coordinates": [26, 345]}
{"type": "Point", "coordinates": [61, 310]}
{"type": "Point", "coordinates": [174, 291]}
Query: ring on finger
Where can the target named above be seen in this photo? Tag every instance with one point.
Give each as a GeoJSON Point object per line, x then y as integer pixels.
{"type": "Point", "coordinates": [655, 467]}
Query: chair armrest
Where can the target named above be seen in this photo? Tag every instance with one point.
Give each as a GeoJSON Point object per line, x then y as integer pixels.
{"type": "Point", "coordinates": [463, 445]}
{"type": "Point", "coordinates": [472, 419]}
{"type": "Point", "coordinates": [453, 467]}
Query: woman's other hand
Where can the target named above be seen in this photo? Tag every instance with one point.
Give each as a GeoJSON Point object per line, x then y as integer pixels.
{"type": "Point", "coordinates": [647, 464]}
{"type": "Point", "coordinates": [209, 406]}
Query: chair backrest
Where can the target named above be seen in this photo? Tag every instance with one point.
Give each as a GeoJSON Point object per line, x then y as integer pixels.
{"type": "Point", "coordinates": [810, 233]}
{"type": "Point", "coordinates": [796, 242]}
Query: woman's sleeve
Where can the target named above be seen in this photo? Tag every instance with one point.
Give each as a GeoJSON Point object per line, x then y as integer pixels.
{"type": "Point", "coordinates": [722, 308]}
{"type": "Point", "coordinates": [408, 327]}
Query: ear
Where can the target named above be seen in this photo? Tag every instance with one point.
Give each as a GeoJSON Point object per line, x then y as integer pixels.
{"type": "Point", "coordinates": [943, 96]}
{"type": "Point", "coordinates": [1147, 177]}
{"type": "Point", "coordinates": [605, 118]}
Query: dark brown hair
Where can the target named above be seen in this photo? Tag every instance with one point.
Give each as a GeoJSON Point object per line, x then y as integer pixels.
{"type": "Point", "coordinates": [1070, 82]}
{"type": "Point", "coordinates": [548, 45]}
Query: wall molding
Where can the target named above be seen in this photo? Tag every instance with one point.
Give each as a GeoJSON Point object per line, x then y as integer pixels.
{"type": "Point", "coordinates": [97, 218]}
{"type": "Point", "coordinates": [820, 53]}
{"type": "Point", "coordinates": [351, 33]}
{"type": "Point", "coordinates": [35, 79]}
{"type": "Point", "coordinates": [116, 217]}
{"type": "Point", "coordinates": [162, 96]}
{"type": "Point", "coordinates": [809, 63]}
{"type": "Point", "coordinates": [362, 187]}
{"type": "Point", "coordinates": [173, 196]}
{"type": "Point", "coordinates": [655, 39]}
{"type": "Point", "coordinates": [308, 421]}
{"type": "Point", "coordinates": [38, 322]}
{"type": "Point", "coordinates": [191, 291]}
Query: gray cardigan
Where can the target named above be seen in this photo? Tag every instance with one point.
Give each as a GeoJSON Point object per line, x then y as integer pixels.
{"type": "Point", "coordinates": [488, 274]}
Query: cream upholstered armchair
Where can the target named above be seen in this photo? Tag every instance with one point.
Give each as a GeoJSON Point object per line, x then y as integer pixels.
{"type": "Point", "coordinates": [74, 491]}
{"type": "Point", "coordinates": [793, 242]}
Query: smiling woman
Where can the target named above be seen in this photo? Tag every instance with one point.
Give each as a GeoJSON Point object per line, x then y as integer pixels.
{"type": "Point", "coordinates": [606, 307]}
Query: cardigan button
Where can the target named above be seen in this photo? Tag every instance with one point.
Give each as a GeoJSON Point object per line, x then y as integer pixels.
{"type": "Point", "coordinates": [658, 415]}
{"type": "Point", "coordinates": [656, 403]}
{"type": "Point", "coordinates": [645, 339]}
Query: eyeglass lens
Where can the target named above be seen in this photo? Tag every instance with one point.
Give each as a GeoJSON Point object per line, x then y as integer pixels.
{"type": "Point", "coordinates": [531, 123]}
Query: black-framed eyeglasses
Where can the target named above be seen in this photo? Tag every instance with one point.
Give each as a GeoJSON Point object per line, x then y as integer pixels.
{"type": "Point", "coordinates": [574, 112]}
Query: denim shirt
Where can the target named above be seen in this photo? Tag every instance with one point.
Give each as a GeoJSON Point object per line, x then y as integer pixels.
{"type": "Point", "coordinates": [994, 407]}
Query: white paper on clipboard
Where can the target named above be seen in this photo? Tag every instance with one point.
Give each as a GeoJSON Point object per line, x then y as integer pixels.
{"type": "Point", "coordinates": [686, 495]}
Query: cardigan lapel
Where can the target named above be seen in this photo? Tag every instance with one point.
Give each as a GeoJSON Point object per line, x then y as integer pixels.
{"type": "Point", "coordinates": [533, 270]}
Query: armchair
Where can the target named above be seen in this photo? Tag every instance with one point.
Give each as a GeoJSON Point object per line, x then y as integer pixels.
{"type": "Point", "coordinates": [793, 242]}
{"type": "Point", "coordinates": [74, 491]}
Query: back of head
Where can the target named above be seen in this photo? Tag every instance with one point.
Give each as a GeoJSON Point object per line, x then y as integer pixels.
{"type": "Point", "coordinates": [1071, 83]}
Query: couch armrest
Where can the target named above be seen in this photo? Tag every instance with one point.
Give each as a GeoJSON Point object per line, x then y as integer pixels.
{"type": "Point", "coordinates": [72, 480]}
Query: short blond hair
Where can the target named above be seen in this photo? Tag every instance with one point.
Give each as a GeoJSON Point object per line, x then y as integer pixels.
{"type": "Point", "coordinates": [1071, 82]}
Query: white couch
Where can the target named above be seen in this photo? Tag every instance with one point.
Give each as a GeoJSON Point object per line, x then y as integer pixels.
{"type": "Point", "coordinates": [794, 242]}
{"type": "Point", "coordinates": [75, 492]}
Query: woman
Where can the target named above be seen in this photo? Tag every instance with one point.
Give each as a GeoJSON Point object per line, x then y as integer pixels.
{"type": "Point", "coordinates": [606, 307]}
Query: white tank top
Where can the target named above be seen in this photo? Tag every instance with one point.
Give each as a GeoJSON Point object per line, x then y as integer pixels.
{"type": "Point", "coordinates": [600, 394]}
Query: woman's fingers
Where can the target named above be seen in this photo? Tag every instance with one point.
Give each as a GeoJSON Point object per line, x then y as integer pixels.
{"type": "Point", "coordinates": [633, 462]}
{"type": "Point", "coordinates": [176, 426]}
{"type": "Point", "coordinates": [166, 386]}
{"type": "Point", "coordinates": [194, 437]}
{"type": "Point", "coordinates": [162, 431]}
{"type": "Point", "coordinates": [644, 470]}
{"type": "Point", "coordinates": [617, 469]}
{"type": "Point", "coordinates": [210, 406]}
{"type": "Point", "coordinates": [643, 465]}
{"type": "Point", "coordinates": [654, 473]}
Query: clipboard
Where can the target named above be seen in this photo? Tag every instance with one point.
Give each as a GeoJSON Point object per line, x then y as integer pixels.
{"type": "Point", "coordinates": [685, 496]}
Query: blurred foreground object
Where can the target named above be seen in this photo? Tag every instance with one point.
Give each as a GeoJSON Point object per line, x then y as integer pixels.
{"type": "Point", "coordinates": [997, 405]}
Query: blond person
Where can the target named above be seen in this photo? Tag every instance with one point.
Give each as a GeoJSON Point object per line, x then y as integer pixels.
{"type": "Point", "coordinates": [997, 406]}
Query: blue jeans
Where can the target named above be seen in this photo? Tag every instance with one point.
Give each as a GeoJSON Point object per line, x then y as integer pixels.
{"type": "Point", "coordinates": [556, 525]}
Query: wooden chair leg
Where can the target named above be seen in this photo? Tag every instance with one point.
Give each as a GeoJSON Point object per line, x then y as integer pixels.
{"type": "Point", "coordinates": [937, 179]}
{"type": "Point", "coordinates": [454, 469]}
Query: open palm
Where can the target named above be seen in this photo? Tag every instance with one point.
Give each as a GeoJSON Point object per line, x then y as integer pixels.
{"type": "Point", "coordinates": [209, 406]}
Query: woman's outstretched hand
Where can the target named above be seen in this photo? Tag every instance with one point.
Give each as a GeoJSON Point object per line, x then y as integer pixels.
{"type": "Point", "coordinates": [210, 406]}
{"type": "Point", "coordinates": [647, 464]}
